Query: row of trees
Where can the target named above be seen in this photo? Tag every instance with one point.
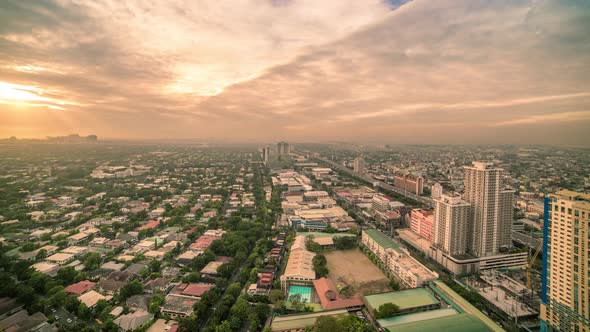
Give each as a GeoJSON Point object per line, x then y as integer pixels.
{"type": "Point", "coordinates": [320, 266]}
{"type": "Point", "coordinates": [347, 323]}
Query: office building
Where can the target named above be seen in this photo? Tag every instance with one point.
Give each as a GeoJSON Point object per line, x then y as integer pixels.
{"type": "Point", "coordinates": [359, 165]}
{"type": "Point", "coordinates": [451, 213]}
{"type": "Point", "coordinates": [491, 209]}
{"type": "Point", "coordinates": [566, 263]}
{"type": "Point", "coordinates": [409, 182]}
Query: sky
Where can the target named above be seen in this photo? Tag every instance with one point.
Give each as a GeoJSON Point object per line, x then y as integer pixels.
{"type": "Point", "coordinates": [364, 71]}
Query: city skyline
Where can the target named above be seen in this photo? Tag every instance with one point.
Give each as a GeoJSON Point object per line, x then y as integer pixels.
{"type": "Point", "coordinates": [365, 71]}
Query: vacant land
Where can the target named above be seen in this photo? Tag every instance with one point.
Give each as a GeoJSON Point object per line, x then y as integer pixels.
{"type": "Point", "coordinates": [352, 268]}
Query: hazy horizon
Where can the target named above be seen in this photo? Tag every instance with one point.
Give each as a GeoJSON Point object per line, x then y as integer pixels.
{"type": "Point", "coordinates": [421, 72]}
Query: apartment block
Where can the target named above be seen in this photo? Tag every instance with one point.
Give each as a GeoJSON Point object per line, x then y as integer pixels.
{"type": "Point", "coordinates": [566, 266]}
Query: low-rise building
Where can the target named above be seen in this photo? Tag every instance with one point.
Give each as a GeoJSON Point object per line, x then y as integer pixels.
{"type": "Point", "coordinates": [299, 270]}
{"type": "Point", "coordinates": [60, 258]}
{"type": "Point", "coordinates": [422, 223]}
{"type": "Point", "coordinates": [398, 261]}
{"type": "Point", "coordinates": [90, 298]}
{"type": "Point", "coordinates": [132, 321]}
{"type": "Point", "coordinates": [80, 287]}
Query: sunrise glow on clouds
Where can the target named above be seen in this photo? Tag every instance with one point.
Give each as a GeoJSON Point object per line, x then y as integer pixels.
{"type": "Point", "coordinates": [443, 71]}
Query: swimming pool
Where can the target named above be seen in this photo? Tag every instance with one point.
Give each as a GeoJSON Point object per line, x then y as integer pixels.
{"type": "Point", "coordinates": [304, 291]}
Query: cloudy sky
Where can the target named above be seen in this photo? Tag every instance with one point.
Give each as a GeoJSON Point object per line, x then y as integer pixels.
{"type": "Point", "coordinates": [460, 71]}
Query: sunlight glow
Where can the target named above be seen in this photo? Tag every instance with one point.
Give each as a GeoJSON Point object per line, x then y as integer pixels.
{"type": "Point", "coordinates": [24, 95]}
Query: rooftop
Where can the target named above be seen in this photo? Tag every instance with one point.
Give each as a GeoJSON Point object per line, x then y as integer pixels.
{"type": "Point", "coordinates": [405, 299]}
{"type": "Point", "coordinates": [455, 323]}
{"type": "Point", "coordinates": [330, 297]}
{"type": "Point", "coordinates": [300, 264]}
{"type": "Point", "coordinates": [301, 321]}
{"type": "Point", "coordinates": [383, 240]}
{"type": "Point", "coordinates": [91, 298]}
{"type": "Point", "coordinates": [211, 267]}
{"type": "Point", "coordinates": [416, 317]}
{"type": "Point", "coordinates": [80, 287]}
{"type": "Point", "coordinates": [324, 241]}
{"type": "Point", "coordinates": [193, 289]}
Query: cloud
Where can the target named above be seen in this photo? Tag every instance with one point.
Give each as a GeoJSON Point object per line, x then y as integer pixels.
{"type": "Point", "coordinates": [443, 71]}
{"type": "Point", "coordinates": [548, 118]}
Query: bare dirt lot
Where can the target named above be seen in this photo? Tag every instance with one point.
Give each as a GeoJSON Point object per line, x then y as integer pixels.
{"type": "Point", "coordinates": [352, 268]}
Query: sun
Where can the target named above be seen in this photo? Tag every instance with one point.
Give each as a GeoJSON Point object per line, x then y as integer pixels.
{"type": "Point", "coordinates": [16, 92]}
{"type": "Point", "coordinates": [25, 95]}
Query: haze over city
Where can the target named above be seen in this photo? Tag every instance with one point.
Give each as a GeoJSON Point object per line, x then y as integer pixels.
{"type": "Point", "coordinates": [362, 71]}
{"type": "Point", "coordinates": [294, 165]}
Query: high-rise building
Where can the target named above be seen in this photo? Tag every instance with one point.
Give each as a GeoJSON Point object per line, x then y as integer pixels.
{"type": "Point", "coordinates": [265, 154]}
{"type": "Point", "coordinates": [283, 149]}
{"type": "Point", "coordinates": [566, 263]}
{"type": "Point", "coordinates": [436, 191]}
{"type": "Point", "coordinates": [409, 182]}
{"type": "Point", "coordinates": [491, 209]}
{"type": "Point", "coordinates": [359, 165]}
{"type": "Point", "coordinates": [452, 215]}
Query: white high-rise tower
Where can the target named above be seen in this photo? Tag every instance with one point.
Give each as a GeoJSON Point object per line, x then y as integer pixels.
{"type": "Point", "coordinates": [491, 209]}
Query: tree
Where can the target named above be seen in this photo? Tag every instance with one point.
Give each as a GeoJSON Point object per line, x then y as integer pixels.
{"type": "Point", "coordinates": [42, 254]}
{"type": "Point", "coordinates": [225, 326]}
{"type": "Point", "coordinates": [29, 246]}
{"type": "Point", "coordinates": [320, 265]}
{"type": "Point", "coordinates": [133, 288]}
{"type": "Point", "coordinates": [345, 242]}
{"type": "Point", "coordinates": [91, 261]}
{"type": "Point", "coordinates": [155, 303]}
{"type": "Point", "coordinates": [234, 289]}
{"type": "Point", "coordinates": [241, 309]}
{"type": "Point", "coordinates": [394, 284]}
{"type": "Point", "coordinates": [297, 302]}
{"type": "Point", "coordinates": [276, 297]}
{"type": "Point", "coordinates": [253, 321]}
{"type": "Point", "coordinates": [57, 296]}
{"type": "Point", "coordinates": [327, 324]}
{"type": "Point", "coordinates": [67, 275]}
{"type": "Point", "coordinates": [155, 265]}
{"type": "Point", "coordinates": [109, 326]}
{"type": "Point", "coordinates": [351, 323]}
{"type": "Point", "coordinates": [386, 310]}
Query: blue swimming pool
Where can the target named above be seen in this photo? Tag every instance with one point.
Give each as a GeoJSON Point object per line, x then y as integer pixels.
{"type": "Point", "coordinates": [304, 291]}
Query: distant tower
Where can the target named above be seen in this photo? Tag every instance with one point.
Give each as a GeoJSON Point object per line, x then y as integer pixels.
{"type": "Point", "coordinates": [359, 165]}
{"type": "Point", "coordinates": [265, 154]}
{"type": "Point", "coordinates": [283, 149]}
{"type": "Point", "coordinates": [436, 191]}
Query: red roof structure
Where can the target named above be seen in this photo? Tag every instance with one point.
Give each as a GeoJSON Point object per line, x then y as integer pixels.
{"type": "Point", "coordinates": [150, 225]}
{"type": "Point", "coordinates": [203, 242]}
{"type": "Point", "coordinates": [194, 290]}
{"type": "Point", "coordinates": [81, 287]}
{"type": "Point", "coordinates": [330, 298]}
